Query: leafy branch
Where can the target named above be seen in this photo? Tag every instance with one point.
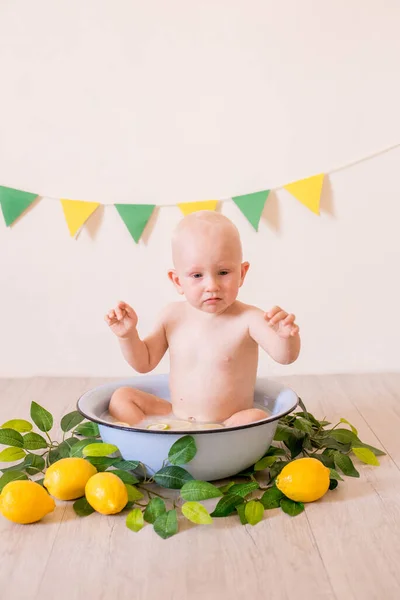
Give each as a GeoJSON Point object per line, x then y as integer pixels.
{"type": "Point", "coordinates": [247, 495]}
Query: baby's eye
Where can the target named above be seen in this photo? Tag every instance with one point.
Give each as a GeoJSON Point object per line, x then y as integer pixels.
{"type": "Point", "coordinates": [223, 272]}
{"type": "Point", "coordinates": [196, 275]}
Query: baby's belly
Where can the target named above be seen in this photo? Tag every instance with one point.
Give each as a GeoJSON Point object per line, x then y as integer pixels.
{"type": "Point", "coordinates": [211, 395]}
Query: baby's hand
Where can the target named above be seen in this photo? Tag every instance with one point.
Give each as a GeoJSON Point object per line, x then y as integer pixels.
{"type": "Point", "coordinates": [281, 322]}
{"type": "Point", "coordinates": [122, 320]}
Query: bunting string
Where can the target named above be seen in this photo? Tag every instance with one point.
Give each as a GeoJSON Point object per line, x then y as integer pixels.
{"type": "Point", "coordinates": [14, 202]}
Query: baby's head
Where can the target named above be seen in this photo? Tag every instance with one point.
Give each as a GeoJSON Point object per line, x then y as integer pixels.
{"type": "Point", "coordinates": [207, 256]}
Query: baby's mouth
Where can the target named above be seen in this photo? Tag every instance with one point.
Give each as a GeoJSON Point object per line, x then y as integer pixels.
{"type": "Point", "coordinates": [212, 300]}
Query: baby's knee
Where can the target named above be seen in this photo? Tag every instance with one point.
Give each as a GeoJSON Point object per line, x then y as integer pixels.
{"type": "Point", "coordinates": [121, 396]}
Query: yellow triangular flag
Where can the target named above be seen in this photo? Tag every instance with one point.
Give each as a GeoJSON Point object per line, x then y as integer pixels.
{"type": "Point", "coordinates": [76, 212]}
{"type": "Point", "coordinates": [190, 207]}
{"type": "Point", "coordinates": [308, 191]}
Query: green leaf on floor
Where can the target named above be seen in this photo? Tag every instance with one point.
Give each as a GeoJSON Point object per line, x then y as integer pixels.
{"type": "Point", "coordinates": [227, 505]}
{"type": "Point", "coordinates": [134, 520]}
{"type": "Point", "coordinates": [11, 476]}
{"type": "Point", "coordinates": [241, 511]}
{"type": "Point", "coordinates": [354, 430]}
{"type": "Point", "coordinates": [345, 464]}
{"type": "Point", "coordinates": [335, 475]}
{"type": "Point", "coordinates": [290, 507]}
{"type": "Point", "coordinates": [254, 512]}
{"type": "Point", "coordinates": [196, 513]}
{"type": "Point", "coordinates": [133, 493]}
{"type": "Point", "coordinates": [19, 425]}
{"type": "Point", "coordinates": [333, 483]}
{"type": "Point", "coordinates": [126, 465]}
{"type": "Point", "coordinates": [154, 509]}
{"type": "Point", "coordinates": [182, 451]}
{"type": "Point", "coordinates": [243, 489]}
{"type": "Point", "coordinates": [11, 454]}
{"type": "Point", "coordinates": [34, 441]}
{"type": "Point", "coordinates": [172, 477]}
{"type": "Point", "coordinates": [166, 525]}
{"type": "Point", "coordinates": [200, 490]}
{"type": "Point", "coordinates": [125, 476]}
{"type": "Point", "coordinates": [10, 437]}
{"type": "Point", "coordinates": [265, 463]}
{"type": "Point", "coordinates": [271, 498]}
{"type": "Point", "coordinates": [365, 455]}
{"type": "Point", "coordinates": [82, 507]}
{"type": "Point", "coordinates": [41, 417]}
{"type": "Point", "coordinates": [88, 429]}
{"type": "Point", "coordinates": [70, 420]}
{"type": "Point", "coordinates": [99, 449]}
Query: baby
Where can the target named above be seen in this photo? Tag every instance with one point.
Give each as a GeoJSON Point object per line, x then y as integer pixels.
{"type": "Point", "coordinates": [212, 338]}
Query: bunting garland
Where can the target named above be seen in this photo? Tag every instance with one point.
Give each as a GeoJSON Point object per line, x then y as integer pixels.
{"type": "Point", "coordinates": [14, 203]}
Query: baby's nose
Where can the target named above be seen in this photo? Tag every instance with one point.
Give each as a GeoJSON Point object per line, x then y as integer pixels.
{"type": "Point", "coordinates": [212, 284]}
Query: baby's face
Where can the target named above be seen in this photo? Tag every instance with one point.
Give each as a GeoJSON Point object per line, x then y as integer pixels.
{"type": "Point", "coordinates": [209, 271]}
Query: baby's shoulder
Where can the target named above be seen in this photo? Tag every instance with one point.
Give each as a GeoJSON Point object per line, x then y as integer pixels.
{"type": "Point", "coordinates": [173, 311]}
{"type": "Point", "coordinates": [248, 311]}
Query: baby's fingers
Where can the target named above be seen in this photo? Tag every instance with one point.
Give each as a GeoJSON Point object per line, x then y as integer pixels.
{"type": "Point", "coordinates": [295, 331]}
{"type": "Point", "coordinates": [280, 316]}
{"type": "Point", "coordinates": [289, 320]}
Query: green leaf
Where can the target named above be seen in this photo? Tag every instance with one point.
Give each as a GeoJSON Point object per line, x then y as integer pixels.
{"type": "Point", "coordinates": [277, 468]}
{"type": "Point", "coordinates": [41, 417]}
{"type": "Point", "coordinates": [365, 455]}
{"type": "Point", "coordinates": [34, 441]}
{"type": "Point", "coordinates": [70, 420]}
{"type": "Point", "coordinates": [345, 464]}
{"type": "Point", "coordinates": [134, 521]}
{"type": "Point", "coordinates": [243, 489]}
{"type": "Point", "coordinates": [227, 505]}
{"type": "Point", "coordinates": [333, 483]}
{"type": "Point", "coordinates": [11, 476]}
{"type": "Point", "coordinates": [196, 513]}
{"type": "Point", "coordinates": [265, 462]}
{"type": "Point", "coordinates": [183, 451]}
{"type": "Point", "coordinates": [64, 449]}
{"type": "Point", "coordinates": [274, 451]}
{"type": "Point", "coordinates": [227, 487]}
{"type": "Point", "coordinates": [354, 430]}
{"type": "Point", "coordinates": [326, 460]}
{"type": "Point", "coordinates": [310, 417]}
{"type": "Point", "coordinates": [304, 425]}
{"type": "Point", "coordinates": [335, 475]}
{"type": "Point", "coordinates": [127, 465]}
{"type": "Point", "coordinates": [166, 524]}
{"type": "Point", "coordinates": [82, 507]}
{"type": "Point", "coordinates": [11, 454]}
{"type": "Point", "coordinates": [99, 449]}
{"type": "Point", "coordinates": [34, 464]}
{"type": "Point", "coordinates": [291, 508]}
{"type": "Point", "coordinates": [125, 476]}
{"type": "Point", "coordinates": [375, 451]}
{"type": "Point", "coordinates": [241, 511]}
{"type": "Point", "coordinates": [154, 509]}
{"type": "Point", "coordinates": [331, 443]}
{"type": "Point", "coordinates": [199, 490]}
{"type": "Point", "coordinates": [344, 436]}
{"type": "Point", "coordinates": [283, 433]}
{"type": "Point", "coordinates": [54, 456]}
{"type": "Point", "coordinates": [18, 425]}
{"type": "Point", "coordinates": [88, 429]}
{"type": "Point", "coordinates": [133, 493]}
{"type": "Point", "coordinates": [101, 462]}
{"type": "Point", "coordinates": [254, 512]}
{"type": "Point", "coordinates": [77, 449]}
{"type": "Point", "coordinates": [10, 437]}
{"type": "Point", "coordinates": [172, 477]}
{"type": "Point", "coordinates": [271, 498]}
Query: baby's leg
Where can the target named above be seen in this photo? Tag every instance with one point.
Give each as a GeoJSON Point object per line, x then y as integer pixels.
{"type": "Point", "coordinates": [132, 406]}
{"type": "Point", "coordinates": [243, 417]}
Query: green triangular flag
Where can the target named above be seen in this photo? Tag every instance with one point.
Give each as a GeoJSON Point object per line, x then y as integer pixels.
{"type": "Point", "coordinates": [14, 202]}
{"type": "Point", "coordinates": [135, 217]}
{"type": "Point", "coordinates": [252, 206]}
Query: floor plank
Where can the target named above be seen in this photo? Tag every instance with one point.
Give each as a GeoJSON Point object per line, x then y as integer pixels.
{"type": "Point", "coordinates": [346, 546]}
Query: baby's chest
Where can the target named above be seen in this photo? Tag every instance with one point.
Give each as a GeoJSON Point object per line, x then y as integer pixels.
{"type": "Point", "coordinates": [222, 345]}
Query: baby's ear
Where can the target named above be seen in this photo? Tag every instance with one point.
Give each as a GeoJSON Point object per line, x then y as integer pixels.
{"type": "Point", "coordinates": [173, 276]}
{"type": "Point", "coordinates": [243, 270]}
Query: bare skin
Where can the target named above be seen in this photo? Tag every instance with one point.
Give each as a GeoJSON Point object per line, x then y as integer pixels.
{"type": "Point", "coordinates": [212, 338]}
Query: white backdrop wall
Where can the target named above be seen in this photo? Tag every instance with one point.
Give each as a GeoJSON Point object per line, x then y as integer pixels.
{"type": "Point", "coordinates": [166, 102]}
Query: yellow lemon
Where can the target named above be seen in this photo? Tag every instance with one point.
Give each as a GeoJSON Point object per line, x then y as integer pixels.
{"type": "Point", "coordinates": [304, 480]}
{"type": "Point", "coordinates": [25, 502]}
{"type": "Point", "coordinates": [106, 493]}
{"type": "Point", "coordinates": [66, 478]}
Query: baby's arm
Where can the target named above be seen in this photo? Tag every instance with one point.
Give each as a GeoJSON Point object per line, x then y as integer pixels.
{"type": "Point", "coordinates": [141, 355]}
{"type": "Point", "coordinates": [276, 332]}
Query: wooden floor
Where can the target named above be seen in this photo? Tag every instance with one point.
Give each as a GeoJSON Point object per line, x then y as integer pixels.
{"type": "Point", "coordinates": [346, 546]}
